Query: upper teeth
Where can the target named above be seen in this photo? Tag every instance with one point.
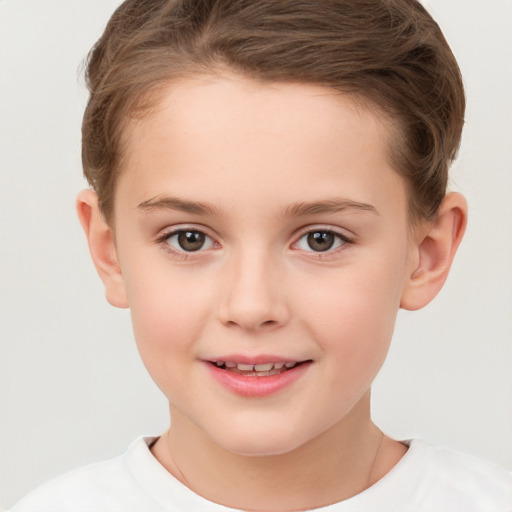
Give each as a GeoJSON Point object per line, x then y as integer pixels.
{"type": "Point", "coordinates": [255, 367]}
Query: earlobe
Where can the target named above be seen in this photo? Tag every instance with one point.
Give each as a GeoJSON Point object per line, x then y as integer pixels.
{"type": "Point", "coordinates": [102, 247]}
{"type": "Point", "coordinates": [436, 248]}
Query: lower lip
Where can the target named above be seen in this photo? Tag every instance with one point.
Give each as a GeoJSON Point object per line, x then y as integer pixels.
{"type": "Point", "coordinates": [252, 386]}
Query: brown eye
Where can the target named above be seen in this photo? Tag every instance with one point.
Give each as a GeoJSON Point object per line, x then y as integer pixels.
{"type": "Point", "coordinates": [188, 240]}
{"type": "Point", "coordinates": [321, 240]}
{"type": "Point", "coordinates": [191, 240]}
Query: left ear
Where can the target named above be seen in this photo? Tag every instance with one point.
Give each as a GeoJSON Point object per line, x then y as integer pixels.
{"type": "Point", "coordinates": [437, 244]}
{"type": "Point", "coordinates": [100, 238]}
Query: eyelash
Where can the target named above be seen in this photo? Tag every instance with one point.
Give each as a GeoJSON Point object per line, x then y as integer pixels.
{"type": "Point", "coordinates": [340, 239]}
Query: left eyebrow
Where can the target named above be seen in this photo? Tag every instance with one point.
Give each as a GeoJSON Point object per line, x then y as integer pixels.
{"type": "Point", "coordinates": [176, 203]}
{"type": "Point", "coordinates": [334, 205]}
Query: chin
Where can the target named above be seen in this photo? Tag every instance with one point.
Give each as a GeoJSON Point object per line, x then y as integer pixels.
{"type": "Point", "coordinates": [267, 440]}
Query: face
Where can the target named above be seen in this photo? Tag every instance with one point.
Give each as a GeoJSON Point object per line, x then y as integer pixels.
{"type": "Point", "coordinates": [264, 245]}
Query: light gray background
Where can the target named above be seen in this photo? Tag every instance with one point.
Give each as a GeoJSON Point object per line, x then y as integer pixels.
{"type": "Point", "coordinates": [72, 388]}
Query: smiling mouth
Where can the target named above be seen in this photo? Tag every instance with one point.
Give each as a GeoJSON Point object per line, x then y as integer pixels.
{"type": "Point", "coordinates": [256, 370]}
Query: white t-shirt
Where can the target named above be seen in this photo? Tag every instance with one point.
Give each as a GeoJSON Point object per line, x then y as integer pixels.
{"type": "Point", "coordinates": [427, 479]}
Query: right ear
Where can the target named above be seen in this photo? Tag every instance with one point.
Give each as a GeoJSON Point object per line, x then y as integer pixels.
{"type": "Point", "coordinates": [102, 247]}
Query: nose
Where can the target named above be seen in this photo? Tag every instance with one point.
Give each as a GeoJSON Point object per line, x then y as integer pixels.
{"type": "Point", "coordinates": [253, 294]}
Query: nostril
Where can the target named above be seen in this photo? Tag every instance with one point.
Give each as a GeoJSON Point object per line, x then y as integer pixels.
{"type": "Point", "coordinates": [253, 325]}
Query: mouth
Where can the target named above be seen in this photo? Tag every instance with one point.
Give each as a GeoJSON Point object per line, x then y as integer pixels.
{"type": "Point", "coordinates": [257, 370]}
{"type": "Point", "coordinates": [259, 377]}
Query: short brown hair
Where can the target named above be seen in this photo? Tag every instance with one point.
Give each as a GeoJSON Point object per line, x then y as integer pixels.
{"type": "Point", "coordinates": [391, 54]}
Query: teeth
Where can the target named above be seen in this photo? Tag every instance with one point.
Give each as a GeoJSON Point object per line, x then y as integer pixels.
{"type": "Point", "coordinates": [267, 367]}
{"type": "Point", "coordinates": [263, 367]}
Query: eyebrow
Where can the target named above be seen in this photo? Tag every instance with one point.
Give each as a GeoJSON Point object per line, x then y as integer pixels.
{"type": "Point", "coordinates": [300, 209]}
{"type": "Point", "coordinates": [334, 205]}
{"type": "Point", "coordinates": [175, 203]}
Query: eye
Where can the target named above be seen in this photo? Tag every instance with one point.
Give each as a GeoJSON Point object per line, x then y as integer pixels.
{"type": "Point", "coordinates": [321, 241]}
{"type": "Point", "coordinates": [188, 240]}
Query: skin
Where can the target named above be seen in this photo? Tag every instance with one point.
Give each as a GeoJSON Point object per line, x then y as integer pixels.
{"type": "Point", "coordinates": [253, 153]}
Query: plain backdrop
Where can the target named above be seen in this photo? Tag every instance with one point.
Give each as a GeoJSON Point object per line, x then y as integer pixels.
{"type": "Point", "coordinates": [73, 390]}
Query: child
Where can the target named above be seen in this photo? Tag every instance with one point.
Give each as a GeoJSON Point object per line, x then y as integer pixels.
{"type": "Point", "coordinates": [268, 190]}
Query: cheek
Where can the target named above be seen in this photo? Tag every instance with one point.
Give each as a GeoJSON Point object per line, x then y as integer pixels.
{"type": "Point", "coordinates": [168, 313]}
{"type": "Point", "coordinates": [353, 317]}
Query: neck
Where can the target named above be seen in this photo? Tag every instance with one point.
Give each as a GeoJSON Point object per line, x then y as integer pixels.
{"type": "Point", "coordinates": [338, 464]}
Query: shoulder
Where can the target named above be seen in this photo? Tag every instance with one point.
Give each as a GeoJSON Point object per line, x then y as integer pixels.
{"type": "Point", "coordinates": [461, 481]}
{"type": "Point", "coordinates": [107, 485]}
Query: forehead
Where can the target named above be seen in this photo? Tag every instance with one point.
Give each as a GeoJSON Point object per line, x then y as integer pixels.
{"type": "Point", "coordinates": [229, 132]}
{"type": "Point", "coordinates": [216, 102]}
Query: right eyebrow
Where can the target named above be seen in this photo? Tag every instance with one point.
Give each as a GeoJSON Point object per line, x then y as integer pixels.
{"type": "Point", "coordinates": [176, 203]}
{"type": "Point", "coordinates": [328, 206]}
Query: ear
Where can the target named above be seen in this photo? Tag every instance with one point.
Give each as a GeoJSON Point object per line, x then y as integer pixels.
{"type": "Point", "coordinates": [102, 247]}
{"type": "Point", "coordinates": [437, 243]}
